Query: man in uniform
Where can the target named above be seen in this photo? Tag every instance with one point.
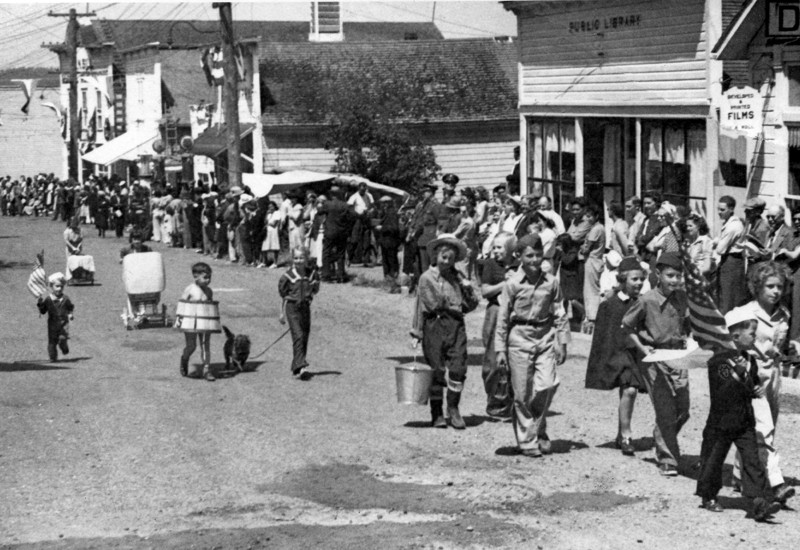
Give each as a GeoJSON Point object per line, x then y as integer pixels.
{"type": "Point", "coordinates": [423, 226]}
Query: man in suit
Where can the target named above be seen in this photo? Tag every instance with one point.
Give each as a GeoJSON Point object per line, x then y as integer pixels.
{"type": "Point", "coordinates": [339, 219]}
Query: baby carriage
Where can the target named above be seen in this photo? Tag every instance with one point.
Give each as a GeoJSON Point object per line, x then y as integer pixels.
{"type": "Point", "coordinates": [144, 278]}
{"type": "Point", "coordinates": [80, 269]}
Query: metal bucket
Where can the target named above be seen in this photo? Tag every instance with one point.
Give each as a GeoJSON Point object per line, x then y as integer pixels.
{"type": "Point", "coordinates": [413, 383]}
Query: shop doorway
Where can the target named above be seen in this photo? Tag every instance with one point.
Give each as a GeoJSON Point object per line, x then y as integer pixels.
{"type": "Point", "coordinates": [604, 160]}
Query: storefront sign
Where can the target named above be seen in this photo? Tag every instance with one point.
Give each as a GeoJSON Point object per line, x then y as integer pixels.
{"type": "Point", "coordinates": [783, 18]}
{"type": "Point", "coordinates": [602, 24]}
{"type": "Point", "coordinates": [741, 111]}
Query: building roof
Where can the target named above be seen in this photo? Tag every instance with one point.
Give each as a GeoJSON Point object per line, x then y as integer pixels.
{"type": "Point", "coordinates": [436, 80]}
{"type": "Point", "coordinates": [46, 78]}
{"type": "Point", "coordinates": [129, 33]}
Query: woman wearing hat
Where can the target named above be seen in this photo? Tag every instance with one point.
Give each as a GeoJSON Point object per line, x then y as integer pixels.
{"type": "Point", "coordinates": [443, 298]}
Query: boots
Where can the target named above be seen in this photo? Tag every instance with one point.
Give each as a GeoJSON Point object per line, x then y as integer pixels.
{"type": "Point", "coordinates": [437, 416]}
{"type": "Point", "coordinates": [184, 367]}
{"type": "Point", "coordinates": [208, 374]}
{"type": "Point", "coordinates": [453, 398]}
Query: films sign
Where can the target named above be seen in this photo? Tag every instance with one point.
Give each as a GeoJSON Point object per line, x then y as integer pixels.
{"type": "Point", "coordinates": [741, 111]}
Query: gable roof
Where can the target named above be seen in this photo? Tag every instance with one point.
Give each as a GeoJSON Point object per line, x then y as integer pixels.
{"type": "Point", "coordinates": [440, 80]}
{"type": "Point", "coordinates": [129, 33]}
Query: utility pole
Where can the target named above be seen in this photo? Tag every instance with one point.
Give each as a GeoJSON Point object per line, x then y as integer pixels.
{"type": "Point", "coordinates": [71, 44]}
{"type": "Point", "coordinates": [230, 94]}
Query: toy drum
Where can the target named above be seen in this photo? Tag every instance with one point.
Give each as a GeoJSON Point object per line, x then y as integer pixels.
{"type": "Point", "coordinates": [198, 317]}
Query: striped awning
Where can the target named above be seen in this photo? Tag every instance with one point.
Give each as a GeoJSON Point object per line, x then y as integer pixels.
{"type": "Point", "coordinates": [794, 136]}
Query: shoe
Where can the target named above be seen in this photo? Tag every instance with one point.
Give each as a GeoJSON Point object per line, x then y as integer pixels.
{"type": "Point", "coordinates": [532, 453]}
{"type": "Point", "coordinates": [184, 367]}
{"type": "Point", "coordinates": [302, 374]}
{"type": "Point", "coordinates": [737, 486]}
{"type": "Point", "coordinates": [763, 509]}
{"type": "Point", "coordinates": [626, 446]}
{"type": "Point", "coordinates": [437, 416]}
{"type": "Point", "coordinates": [544, 444]}
{"type": "Point", "coordinates": [783, 493]}
{"type": "Point", "coordinates": [667, 470]}
{"type": "Point", "coordinates": [453, 399]}
{"type": "Point", "coordinates": [712, 505]}
{"type": "Point", "coordinates": [64, 347]}
{"type": "Point", "coordinates": [209, 376]}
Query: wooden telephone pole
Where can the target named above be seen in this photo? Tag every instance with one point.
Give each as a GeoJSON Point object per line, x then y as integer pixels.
{"type": "Point", "coordinates": [71, 44]}
{"type": "Point", "coordinates": [230, 94]}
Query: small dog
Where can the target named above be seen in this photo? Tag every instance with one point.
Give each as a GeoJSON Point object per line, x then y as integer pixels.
{"type": "Point", "coordinates": [236, 349]}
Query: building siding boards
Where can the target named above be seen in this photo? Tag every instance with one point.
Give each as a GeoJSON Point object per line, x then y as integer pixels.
{"type": "Point", "coordinates": [663, 60]}
{"type": "Point", "coordinates": [31, 144]}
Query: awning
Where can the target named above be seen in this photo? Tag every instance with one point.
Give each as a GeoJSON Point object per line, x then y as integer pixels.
{"type": "Point", "coordinates": [128, 146]}
{"type": "Point", "coordinates": [267, 184]}
{"type": "Point", "coordinates": [213, 141]}
{"type": "Point", "coordinates": [737, 37]}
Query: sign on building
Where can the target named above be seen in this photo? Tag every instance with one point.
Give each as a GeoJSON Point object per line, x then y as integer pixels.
{"type": "Point", "coordinates": [741, 111]}
{"type": "Point", "coordinates": [783, 18]}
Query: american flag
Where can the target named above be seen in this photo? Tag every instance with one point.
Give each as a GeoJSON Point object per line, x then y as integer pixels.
{"type": "Point", "coordinates": [37, 282]}
{"type": "Point", "coordinates": [707, 323]}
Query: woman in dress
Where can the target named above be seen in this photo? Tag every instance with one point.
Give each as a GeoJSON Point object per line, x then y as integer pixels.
{"type": "Point", "coordinates": [699, 244]}
{"type": "Point", "coordinates": [73, 237]}
{"type": "Point", "coordinates": [592, 250]}
{"type": "Point", "coordinates": [272, 244]}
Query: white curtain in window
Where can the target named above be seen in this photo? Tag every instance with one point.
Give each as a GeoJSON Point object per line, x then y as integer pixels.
{"type": "Point", "coordinates": [551, 146]}
{"type": "Point", "coordinates": [675, 147]}
{"type": "Point", "coordinates": [535, 162]}
{"type": "Point", "coordinates": [654, 148]}
{"type": "Point", "coordinates": [568, 137]}
{"type": "Point", "coordinates": [612, 154]}
{"type": "Point", "coordinates": [696, 138]}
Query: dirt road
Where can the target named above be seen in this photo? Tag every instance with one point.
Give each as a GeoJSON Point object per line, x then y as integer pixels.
{"type": "Point", "coordinates": [113, 449]}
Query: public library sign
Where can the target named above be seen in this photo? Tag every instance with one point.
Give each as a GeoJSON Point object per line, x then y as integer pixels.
{"type": "Point", "coordinates": [601, 24]}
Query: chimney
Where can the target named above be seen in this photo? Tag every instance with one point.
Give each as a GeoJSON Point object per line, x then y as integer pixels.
{"type": "Point", "coordinates": [326, 22]}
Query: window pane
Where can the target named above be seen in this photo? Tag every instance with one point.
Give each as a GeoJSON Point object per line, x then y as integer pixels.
{"type": "Point", "coordinates": [568, 151]}
{"type": "Point", "coordinates": [696, 144]}
{"type": "Point", "coordinates": [793, 73]}
{"type": "Point", "coordinates": [551, 160]}
{"type": "Point", "coordinates": [651, 157]}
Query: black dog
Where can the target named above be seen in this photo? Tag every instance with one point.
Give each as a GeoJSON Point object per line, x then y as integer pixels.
{"type": "Point", "coordinates": [236, 349]}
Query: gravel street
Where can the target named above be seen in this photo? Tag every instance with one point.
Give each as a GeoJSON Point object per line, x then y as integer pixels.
{"type": "Point", "coordinates": [112, 448]}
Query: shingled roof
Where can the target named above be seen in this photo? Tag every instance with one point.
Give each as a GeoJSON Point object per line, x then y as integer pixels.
{"type": "Point", "coordinates": [451, 80]}
{"type": "Point", "coordinates": [129, 33]}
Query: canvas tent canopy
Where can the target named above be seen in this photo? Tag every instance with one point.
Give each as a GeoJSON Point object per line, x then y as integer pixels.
{"type": "Point", "coordinates": [268, 184]}
{"type": "Point", "coordinates": [128, 146]}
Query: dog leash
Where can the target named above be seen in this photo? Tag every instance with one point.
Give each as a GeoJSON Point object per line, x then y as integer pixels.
{"type": "Point", "coordinates": [272, 344]}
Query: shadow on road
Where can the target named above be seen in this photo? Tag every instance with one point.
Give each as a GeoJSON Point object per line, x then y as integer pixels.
{"type": "Point", "coordinates": [639, 445]}
{"type": "Point", "coordinates": [557, 446]}
{"type": "Point", "coordinates": [25, 366]}
{"type": "Point", "coordinates": [315, 373]}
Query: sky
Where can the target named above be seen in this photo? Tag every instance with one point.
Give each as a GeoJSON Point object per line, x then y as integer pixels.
{"type": "Point", "coordinates": [25, 26]}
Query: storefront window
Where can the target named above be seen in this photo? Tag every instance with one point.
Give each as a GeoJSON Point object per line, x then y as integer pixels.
{"type": "Point", "coordinates": [551, 166]}
{"type": "Point", "coordinates": [602, 160]}
{"type": "Point", "coordinates": [673, 159]}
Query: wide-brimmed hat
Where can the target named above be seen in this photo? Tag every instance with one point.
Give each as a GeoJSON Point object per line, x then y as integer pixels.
{"type": "Point", "coordinates": [235, 191]}
{"type": "Point", "coordinates": [515, 199]}
{"type": "Point", "coordinates": [450, 240]}
{"type": "Point", "coordinates": [385, 198]}
{"type": "Point", "coordinates": [244, 199]}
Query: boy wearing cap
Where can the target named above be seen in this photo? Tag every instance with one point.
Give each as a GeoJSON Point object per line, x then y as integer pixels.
{"type": "Point", "coordinates": [59, 309]}
{"type": "Point", "coordinates": [658, 320]}
{"type": "Point", "coordinates": [733, 382]}
{"type": "Point", "coordinates": [531, 338]}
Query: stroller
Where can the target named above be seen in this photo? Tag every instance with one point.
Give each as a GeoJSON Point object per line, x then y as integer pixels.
{"type": "Point", "coordinates": [145, 280]}
{"type": "Point", "coordinates": [80, 269]}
